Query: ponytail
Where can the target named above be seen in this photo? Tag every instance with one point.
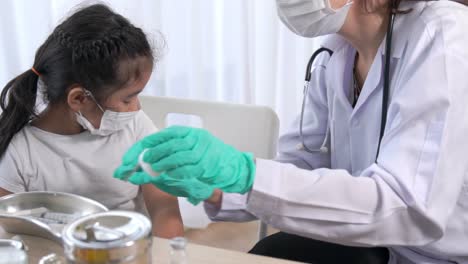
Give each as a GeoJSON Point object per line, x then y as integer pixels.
{"type": "Point", "coordinates": [17, 100]}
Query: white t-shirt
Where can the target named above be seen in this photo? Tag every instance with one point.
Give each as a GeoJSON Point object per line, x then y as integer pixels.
{"type": "Point", "coordinates": [82, 164]}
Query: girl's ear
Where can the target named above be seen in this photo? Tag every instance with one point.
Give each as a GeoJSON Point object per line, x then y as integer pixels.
{"type": "Point", "coordinates": [77, 98]}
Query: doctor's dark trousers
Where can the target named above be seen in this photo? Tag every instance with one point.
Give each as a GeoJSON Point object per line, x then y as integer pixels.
{"type": "Point", "coordinates": [292, 247]}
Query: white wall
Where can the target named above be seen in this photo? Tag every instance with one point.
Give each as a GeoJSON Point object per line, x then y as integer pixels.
{"type": "Point", "coordinates": [224, 50]}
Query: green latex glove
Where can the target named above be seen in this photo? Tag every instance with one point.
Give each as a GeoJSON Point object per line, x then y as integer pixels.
{"type": "Point", "coordinates": [130, 161]}
{"type": "Point", "coordinates": [192, 163]}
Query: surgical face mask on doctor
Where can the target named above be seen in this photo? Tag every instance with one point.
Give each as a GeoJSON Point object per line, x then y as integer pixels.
{"type": "Point", "coordinates": [312, 18]}
{"type": "Point", "coordinates": [111, 121]}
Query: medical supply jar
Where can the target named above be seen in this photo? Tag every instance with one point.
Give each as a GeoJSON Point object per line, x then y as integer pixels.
{"type": "Point", "coordinates": [12, 252]}
{"type": "Point", "coordinates": [111, 237]}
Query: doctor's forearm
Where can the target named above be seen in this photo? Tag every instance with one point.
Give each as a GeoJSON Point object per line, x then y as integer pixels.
{"type": "Point", "coordinates": [332, 205]}
{"type": "Point", "coordinates": [216, 199]}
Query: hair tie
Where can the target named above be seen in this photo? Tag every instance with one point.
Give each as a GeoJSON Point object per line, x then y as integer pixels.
{"type": "Point", "coordinates": [36, 72]}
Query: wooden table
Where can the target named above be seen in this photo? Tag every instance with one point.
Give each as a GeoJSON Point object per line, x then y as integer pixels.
{"type": "Point", "coordinates": [39, 247]}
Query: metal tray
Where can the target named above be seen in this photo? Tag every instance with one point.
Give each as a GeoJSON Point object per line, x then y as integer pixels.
{"type": "Point", "coordinates": [55, 202]}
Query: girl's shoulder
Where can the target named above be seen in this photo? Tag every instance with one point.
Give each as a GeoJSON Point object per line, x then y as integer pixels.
{"type": "Point", "coordinates": [21, 140]}
{"type": "Point", "coordinates": [143, 125]}
{"type": "Point", "coordinates": [16, 154]}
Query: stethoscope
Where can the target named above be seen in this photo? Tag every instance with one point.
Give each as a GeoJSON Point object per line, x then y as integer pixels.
{"type": "Point", "coordinates": [386, 88]}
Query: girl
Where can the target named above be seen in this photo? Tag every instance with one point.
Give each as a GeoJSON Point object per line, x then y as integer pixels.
{"type": "Point", "coordinates": [90, 71]}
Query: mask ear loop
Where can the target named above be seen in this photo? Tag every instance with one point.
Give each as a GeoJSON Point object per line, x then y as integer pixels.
{"type": "Point", "coordinates": [87, 93]}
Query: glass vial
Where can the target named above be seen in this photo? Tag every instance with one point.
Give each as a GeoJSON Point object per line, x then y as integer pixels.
{"type": "Point", "coordinates": [178, 253]}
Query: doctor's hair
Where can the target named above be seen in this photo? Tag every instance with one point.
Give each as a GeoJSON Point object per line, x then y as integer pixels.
{"type": "Point", "coordinates": [393, 5]}
{"type": "Point", "coordinates": [371, 6]}
{"type": "Point", "coordinates": [94, 48]}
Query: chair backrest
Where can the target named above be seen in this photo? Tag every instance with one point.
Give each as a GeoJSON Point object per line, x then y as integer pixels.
{"type": "Point", "coordinates": [248, 128]}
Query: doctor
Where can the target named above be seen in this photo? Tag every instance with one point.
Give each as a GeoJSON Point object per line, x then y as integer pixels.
{"type": "Point", "coordinates": [340, 194]}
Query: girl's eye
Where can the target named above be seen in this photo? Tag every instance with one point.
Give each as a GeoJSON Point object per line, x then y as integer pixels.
{"type": "Point", "coordinates": [128, 100]}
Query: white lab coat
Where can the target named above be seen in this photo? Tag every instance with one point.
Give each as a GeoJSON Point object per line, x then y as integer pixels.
{"type": "Point", "coordinates": [414, 200]}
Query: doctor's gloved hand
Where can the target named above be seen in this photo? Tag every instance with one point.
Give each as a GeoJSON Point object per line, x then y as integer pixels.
{"type": "Point", "coordinates": [192, 163]}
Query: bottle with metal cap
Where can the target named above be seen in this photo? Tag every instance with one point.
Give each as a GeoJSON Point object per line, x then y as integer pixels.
{"type": "Point", "coordinates": [12, 252]}
{"type": "Point", "coordinates": [178, 253]}
{"type": "Point", "coordinates": [118, 237]}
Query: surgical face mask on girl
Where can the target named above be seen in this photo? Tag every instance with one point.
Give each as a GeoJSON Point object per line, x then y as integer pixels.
{"type": "Point", "coordinates": [312, 18]}
{"type": "Point", "coordinates": [111, 121]}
